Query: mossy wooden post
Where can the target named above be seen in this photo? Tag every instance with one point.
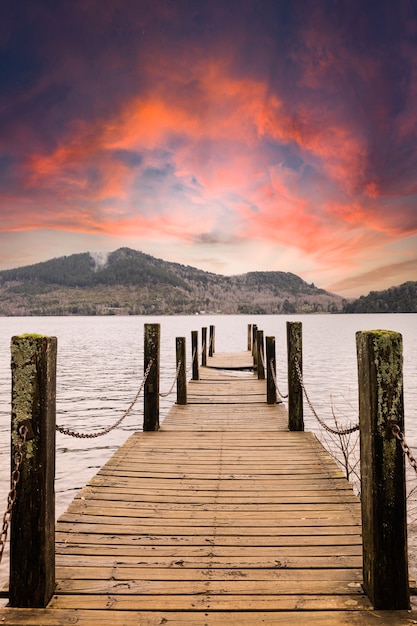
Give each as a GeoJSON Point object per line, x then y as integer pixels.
{"type": "Point", "coordinates": [383, 494]}
{"type": "Point", "coordinates": [32, 530]}
{"type": "Point", "coordinates": [295, 391]}
{"type": "Point", "coordinates": [271, 392]}
{"type": "Point", "coordinates": [254, 346]}
{"type": "Point", "coordinates": [180, 345]}
{"type": "Point", "coordinates": [194, 351]}
{"type": "Point", "coordinates": [204, 347]}
{"type": "Point", "coordinates": [212, 341]}
{"type": "Point", "coordinates": [151, 394]}
{"type": "Point", "coordinates": [249, 337]}
{"type": "Point", "coordinates": [261, 354]}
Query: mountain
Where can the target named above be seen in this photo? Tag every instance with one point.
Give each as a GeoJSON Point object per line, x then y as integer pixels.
{"type": "Point", "coordinates": [402, 299]}
{"type": "Point", "coordinates": [130, 282]}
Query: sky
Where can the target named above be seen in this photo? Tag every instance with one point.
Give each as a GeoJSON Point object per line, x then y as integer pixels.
{"type": "Point", "coordinates": [229, 135]}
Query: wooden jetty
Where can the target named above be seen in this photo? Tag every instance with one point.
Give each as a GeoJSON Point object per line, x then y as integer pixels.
{"type": "Point", "coordinates": [223, 516]}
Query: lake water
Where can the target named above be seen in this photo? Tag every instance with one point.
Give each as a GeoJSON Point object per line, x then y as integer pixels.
{"type": "Point", "coordinates": [100, 367]}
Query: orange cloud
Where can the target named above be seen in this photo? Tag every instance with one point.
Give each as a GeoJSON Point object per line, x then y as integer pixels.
{"type": "Point", "coordinates": [211, 128]}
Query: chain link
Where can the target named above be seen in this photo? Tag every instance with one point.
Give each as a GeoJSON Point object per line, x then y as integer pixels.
{"type": "Point", "coordinates": [334, 431]}
{"type": "Point", "coordinates": [406, 449]}
{"type": "Point", "coordinates": [167, 393]}
{"type": "Point", "coordinates": [105, 431]}
{"type": "Point", "coordinates": [280, 396]}
{"type": "Point", "coordinates": [11, 498]}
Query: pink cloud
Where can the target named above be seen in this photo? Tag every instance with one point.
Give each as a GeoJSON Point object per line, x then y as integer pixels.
{"type": "Point", "coordinates": [212, 126]}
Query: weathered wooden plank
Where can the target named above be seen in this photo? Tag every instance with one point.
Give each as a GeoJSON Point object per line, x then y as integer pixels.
{"type": "Point", "coordinates": [288, 474]}
{"type": "Point", "coordinates": [128, 586]}
{"type": "Point", "coordinates": [167, 439]}
{"type": "Point", "coordinates": [102, 570]}
{"type": "Point", "coordinates": [115, 510]}
{"type": "Point", "coordinates": [85, 617]}
{"type": "Point", "coordinates": [302, 481]}
{"type": "Point", "coordinates": [189, 496]}
{"type": "Point", "coordinates": [245, 497]}
{"type": "Point", "coordinates": [278, 561]}
{"type": "Point", "coordinates": [106, 497]}
{"type": "Point", "coordinates": [293, 563]}
{"type": "Point", "coordinates": [333, 536]}
{"type": "Point", "coordinates": [229, 482]}
{"type": "Point", "coordinates": [298, 472]}
{"type": "Point", "coordinates": [242, 383]}
{"type": "Point", "coordinates": [234, 526]}
{"type": "Point", "coordinates": [210, 601]}
{"type": "Point", "coordinates": [208, 551]}
{"type": "Point", "coordinates": [156, 529]}
{"type": "Point", "coordinates": [230, 361]}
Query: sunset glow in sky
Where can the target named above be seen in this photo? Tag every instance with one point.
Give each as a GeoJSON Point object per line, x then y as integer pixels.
{"type": "Point", "coordinates": [230, 135]}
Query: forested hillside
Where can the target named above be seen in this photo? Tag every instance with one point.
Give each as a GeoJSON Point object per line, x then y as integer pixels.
{"type": "Point", "coordinates": [402, 299]}
{"type": "Point", "coordinates": [130, 282]}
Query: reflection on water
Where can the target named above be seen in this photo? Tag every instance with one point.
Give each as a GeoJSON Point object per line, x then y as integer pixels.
{"type": "Point", "coordinates": [100, 367]}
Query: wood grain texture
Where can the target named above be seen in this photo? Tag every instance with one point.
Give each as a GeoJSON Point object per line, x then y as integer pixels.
{"type": "Point", "coordinates": [223, 516]}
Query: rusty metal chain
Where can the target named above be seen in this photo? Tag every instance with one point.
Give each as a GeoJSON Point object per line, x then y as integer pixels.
{"type": "Point", "coordinates": [334, 431]}
{"type": "Point", "coordinates": [395, 429]}
{"type": "Point", "coordinates": [167, 393]}
{"type": "Point", "coordinates": [280, 396]}
{"type": "Point", "coordinates": [11, 498]}
{"type": "Point", "coordinates": [105, 431]}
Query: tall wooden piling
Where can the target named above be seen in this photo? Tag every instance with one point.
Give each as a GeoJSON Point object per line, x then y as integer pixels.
{"type": "Point", "coordinates": [194, 350]}
{"type": "Point", "coordinates": [255, 346]}
{"type": "Point", "coordinates": [249, 337]}
{"type": "Point", "coordinates": [151, 390]}
{"type": "Point", "coordinates": [32, 532]}
{"type": "Point", "coordinates": [261, 354]}
{"type": "Point", "coordinates": [204, 346]}
{"type": "Point", "coordinates": [180, 345]}
{"type": "Point", "coordinates": [212, 340]}
{"type": "Point", "coordinates": [271, 368]}
{"type": "Point", "coordinates": [295, 391]}
{"type": "Point", "coordinates": [383, 494]}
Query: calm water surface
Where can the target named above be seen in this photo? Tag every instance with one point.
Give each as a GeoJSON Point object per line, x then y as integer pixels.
{"type": "Point", "coordinates": [100, 367]}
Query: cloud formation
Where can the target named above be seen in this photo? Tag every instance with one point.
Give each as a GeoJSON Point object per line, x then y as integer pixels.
{"type": "Point", "coordinates": [208, 126]}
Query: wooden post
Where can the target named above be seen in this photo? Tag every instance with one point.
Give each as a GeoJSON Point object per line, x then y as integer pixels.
{"type": "Point", "coordinates": [383, 493]}
{"type": "Point", "coordinates": [254, 331]}
{"type": "Point", "coordinates": [249, 337]}
{"type": "Point", "coordinates": [32, 531]}
{"type": "Point", "coordinates": [212, 341]}
{"type": "Point", "coordinates": [204, 347]}
{"type": "Point", "coordinates": [271, 392]}
{"type": "Point", "coordinates": [295, 391]}
{"type": "Point", "coordinates": [194, 350]}
{"type": "Point", "coordinates": [261, 354]}
{"type": "Point", "coordinates": [180, 346]}
{"type": "Point", "coordinates": [254, 346]}
{"type": "Point", "coordinates": [151, 394]}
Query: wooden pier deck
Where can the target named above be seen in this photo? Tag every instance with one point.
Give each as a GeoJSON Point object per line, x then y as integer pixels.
{"type": "Point", "coordinates": [223, 516]}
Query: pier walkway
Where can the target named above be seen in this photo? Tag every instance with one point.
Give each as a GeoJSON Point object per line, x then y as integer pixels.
{"type": "Point", "coordinates": [223, 516]}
